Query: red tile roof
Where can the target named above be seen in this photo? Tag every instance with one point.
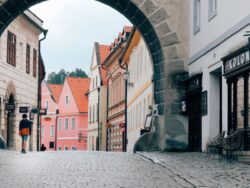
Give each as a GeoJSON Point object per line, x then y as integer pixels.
{"type": "Point", "coordinates": [56, 90]}
{"type": "Point", "coordinates": [104, 52]}
{"type": "Point", "coordinates": [127, 29]}
{"type": "Point", "coordinates": [79, 88]}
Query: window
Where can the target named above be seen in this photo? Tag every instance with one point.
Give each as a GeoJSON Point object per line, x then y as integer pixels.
{"type": "Point", "coordinates": [51, 145]}
{"type": "Point", "coordinates": [67, 99]}
{"type": "Point", "coordinates": [240, 103]}
{"type": "Point", "coordinates": [42, 130]}
{"type": "Point", "coordinates": [11, 49]}
{"type": "Point", "coordinates": [59, 149]}
{"type": "Point", "coordinates": [90, 114]}
{"type": "Point", "coordinates": [66, 125]}
{"type": "Point", "coordinates": [52, 130]}
{"type": "Point", "coordinates": [47, 105]}
{"type": "Point", "coordinates": [93, 114]}
{"type": "Point", "coordinates": [74, 148]}
{"type": "Point", "coordinates": [34, 62]}
{"type": "Point", "coordinates": [66, 148]}
{"type": "Point", "coordinates": [197, 12]}
{"type": "Point", "coordinates": [73, 123]}
{"type": "Point", "coordinates": [96, 79]}
{"type": "Point", "coordinates": [96, 112]}
{"type": "Point", "coordinates": [212, 9]}
{"type": "Point", "coordinates": [60, 124]}
{"type": "Point", "coordinates": [27, 58]}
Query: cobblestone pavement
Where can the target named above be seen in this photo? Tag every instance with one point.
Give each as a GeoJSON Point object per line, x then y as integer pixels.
{"type": "Point", "coordinates": [100, 169]}
{"type": "Point", "coordinates": [200, 172]}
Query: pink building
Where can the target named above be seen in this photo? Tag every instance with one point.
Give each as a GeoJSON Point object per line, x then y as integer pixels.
{"type": "Point", "coordinates": [50, 97]}
{"type": "Point", "coordinates": [72, 120]}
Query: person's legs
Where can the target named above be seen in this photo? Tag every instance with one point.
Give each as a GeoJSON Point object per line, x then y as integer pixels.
{"type": "Point", "coordinates": [24, 140]}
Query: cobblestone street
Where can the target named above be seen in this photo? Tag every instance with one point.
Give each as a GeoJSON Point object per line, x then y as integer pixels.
{"type": "Point", "coordinates": [100, 169]}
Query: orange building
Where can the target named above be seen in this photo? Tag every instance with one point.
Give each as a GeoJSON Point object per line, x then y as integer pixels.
{"type": "Point", "coordinates": [116, 131]}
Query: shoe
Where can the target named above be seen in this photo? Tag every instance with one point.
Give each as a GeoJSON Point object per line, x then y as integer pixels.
{"type": "Point", "coordinates": [23, 151]}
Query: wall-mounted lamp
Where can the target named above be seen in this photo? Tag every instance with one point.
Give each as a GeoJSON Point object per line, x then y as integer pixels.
{"type": "Point", "coordinates": [126, 77]}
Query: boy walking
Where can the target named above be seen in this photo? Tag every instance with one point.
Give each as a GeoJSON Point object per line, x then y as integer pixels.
{"type": "Point", "coordinates": [24, 131]}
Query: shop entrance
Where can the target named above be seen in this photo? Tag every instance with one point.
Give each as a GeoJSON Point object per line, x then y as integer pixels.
{"type": "Point", "coordinates": [11, 121]}
{"type": "Point", "coordinates": [193, 89]}
{"type": "Point", "coordinates": [194, 137]}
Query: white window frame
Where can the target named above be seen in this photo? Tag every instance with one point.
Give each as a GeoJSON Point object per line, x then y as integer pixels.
{"type": "Point", "coordinates": [66, 124]}
{"type": "Point", "coordinates": [196, 16]}
{"type": "Point", "coordinates": [212, 9]}
{"type": "Point", "coordinates": [67, 99]}
{"type": "Point", "coordinates": [52, 131]}
{"type": "Point", "coordinates": [59, 124]}
{"type": "Point", "coordinates": [73, 123]}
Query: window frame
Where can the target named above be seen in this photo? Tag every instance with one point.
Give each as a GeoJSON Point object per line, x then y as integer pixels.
{"type": "Point", "coordinates": [34, 62]}
{"type": "Point", "coordinates": [27, 58]}
{"type": "Point", "coordinates": [212, 9]}
{"type": "Point", "coordinates": [196, 16]}
{"type": "Point", "coordinates": [11, 49]}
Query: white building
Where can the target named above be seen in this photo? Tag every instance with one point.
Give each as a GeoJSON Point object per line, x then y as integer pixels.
{"type": "Point", "coordinates": [219, 70]}
{"type": "Point", "coordinates": [19, 57]}
{"type": "Point", "coordinates": [98, 99]}
{"type": "Point", "coordinates": [140, 87]}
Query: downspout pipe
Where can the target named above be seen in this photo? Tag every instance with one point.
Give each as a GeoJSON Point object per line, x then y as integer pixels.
{"type": "Point", "coordinates": [126, 105]}
{"type": "Point", "coordinates": [39, 91]}
{"type": "Point", "coordinates": [107, 109]}
{"type": "Point", "coordinates": [98, 119]}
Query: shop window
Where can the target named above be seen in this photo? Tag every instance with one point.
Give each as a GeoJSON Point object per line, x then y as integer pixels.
{"type": "Point", "coordinates": [240, 103]}
{"type": "Point", "coordinates": [204, 103]}
{"type": "Point", "coordinates": [52, 130]}
{"type": "Point", "coordinates": [51, 145]}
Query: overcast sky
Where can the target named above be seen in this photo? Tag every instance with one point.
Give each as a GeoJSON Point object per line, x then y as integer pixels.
{"type": "Point", "coordinates": [74, 26]}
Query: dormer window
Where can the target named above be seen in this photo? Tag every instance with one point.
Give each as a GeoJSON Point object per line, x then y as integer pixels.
{"type": "Point", "coordinates": [67, 100]}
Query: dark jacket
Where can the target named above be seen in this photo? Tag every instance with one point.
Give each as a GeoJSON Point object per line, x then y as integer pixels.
{"type": "Point", "coordinates": [25, 127]}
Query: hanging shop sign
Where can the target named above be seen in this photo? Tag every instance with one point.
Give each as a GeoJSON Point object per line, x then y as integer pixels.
{"type": "Point", "coordinates": [23, 109]}
{"type": "Point", "coordinates": [236, 61]}
{"type": "Point", "coordinates": [10, 107]}
{"type": "Point", "coordinates": [34, 110]}
{"type": "Point", "coordinates": [43, 111]}
{"type": "Point", "coordinates": [47, 119]}
{"type": "Point", "coordinates": [32, 116]}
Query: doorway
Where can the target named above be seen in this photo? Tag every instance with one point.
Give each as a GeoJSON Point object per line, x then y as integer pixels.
{"type": "Point", "coordinates": [194, 120]}
{"type": "Point", "coordinates": [11, 123]}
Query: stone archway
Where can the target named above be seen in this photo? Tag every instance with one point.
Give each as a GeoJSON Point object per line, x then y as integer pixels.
{"type": "Point", "coordinates": [10, 133]}
{"type": "Point", "coordinates": [164, 25]}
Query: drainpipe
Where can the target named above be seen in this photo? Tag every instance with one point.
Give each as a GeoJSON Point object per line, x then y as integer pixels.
{"type": "Point", "coordinates": [107, 113]}
{"type": "Point", "coordinates": [39, 91]}
{"type": "Point", "coordinates": [56, 131]}
{"type": "Point", "coordinates": [126, 105]}
{"type": "Point", "coordinates": [98, 119]}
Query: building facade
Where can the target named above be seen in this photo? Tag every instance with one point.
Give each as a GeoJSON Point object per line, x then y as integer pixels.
{"type": "Point", "coordinates": [19, 62]}
{"type": "Point", "coordinates": [139, 86]}
{"type": "Point", "coordinates": [72, 119]}
{"type": "Point", "coordinates": [218, 85]}
{"type": "Point", "coordinates": [97, 99]}
{"type": "Point", "coordinates": [116, 130]}
{"type": "Point", "coordinates": [49, 103]}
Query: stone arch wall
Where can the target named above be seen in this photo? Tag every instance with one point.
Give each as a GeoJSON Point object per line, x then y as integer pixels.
{"type": "Point", "coordinates": [164, 25]}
